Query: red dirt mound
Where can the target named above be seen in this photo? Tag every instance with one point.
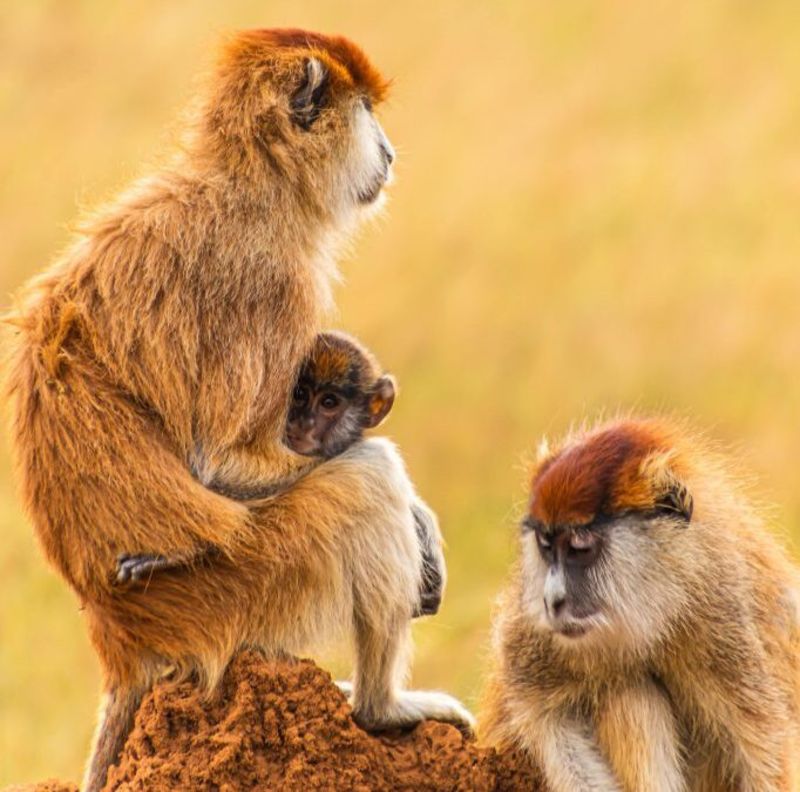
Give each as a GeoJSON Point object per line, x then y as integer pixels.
{"type": "Point", "coordinates": [286, 726]}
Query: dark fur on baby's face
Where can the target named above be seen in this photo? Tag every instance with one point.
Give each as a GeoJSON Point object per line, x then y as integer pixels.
{"type": "Point", "coordinates": [340, 393]}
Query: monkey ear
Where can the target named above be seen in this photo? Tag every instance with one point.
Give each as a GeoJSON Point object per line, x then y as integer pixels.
{"type": "Point", "coordinates": [380, 401]}
{"type": "Point", "coordinates": [676, 500]}
{"type": "Point", "coordinates": [308, 100]}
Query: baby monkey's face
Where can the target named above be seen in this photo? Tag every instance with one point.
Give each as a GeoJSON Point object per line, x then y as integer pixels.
{"type": "Point", "coordinates": [326, 418]}
{"type": "Point", "coordinates": [340, 392]}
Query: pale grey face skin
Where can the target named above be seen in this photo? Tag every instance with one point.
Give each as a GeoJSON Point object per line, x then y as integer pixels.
{"type": "Point", "coordinates": [594, 586]}
{"type": "Point", "coordinates": [370, 160]}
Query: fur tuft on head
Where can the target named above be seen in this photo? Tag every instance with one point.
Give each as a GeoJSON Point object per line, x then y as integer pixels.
{"type": "Point", "coordinates": [624, 465]}
{"type": "Point", "coordinates": [347, 63]}
{"type": "Point", "coordinates": [336, 353]}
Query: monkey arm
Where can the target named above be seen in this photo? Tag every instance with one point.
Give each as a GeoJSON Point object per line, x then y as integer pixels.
{"type": "Point", "coordinates": [104, 478]}
{"type": "Point", "coordinates": [234, 481]}
{"type": "Point", "coordinates": [242, 477]}
{"type": "Point", "coordinates": [564, 746]}
{"type": "Point", "coordinates": [138, 567]}
{"type": "Point", "coordinates": [637, 731]}
{"type": "Point", "coordinates": [434, 574]}
{"type": "Point", "coordinates": [740, 701]}
{"type": "Point", "coordinates": [242, 473]}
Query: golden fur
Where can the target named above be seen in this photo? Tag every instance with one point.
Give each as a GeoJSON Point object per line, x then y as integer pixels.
{"type": "Point", "coordinates": [159, 352]}
{"type": "Point", "coordinates": [690, 680]}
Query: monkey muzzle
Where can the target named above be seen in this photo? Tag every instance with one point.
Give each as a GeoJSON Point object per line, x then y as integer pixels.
{"type": "Point", "coordinates": [564, 615]}
{"type": "Point", "coordinates": [385, 174]}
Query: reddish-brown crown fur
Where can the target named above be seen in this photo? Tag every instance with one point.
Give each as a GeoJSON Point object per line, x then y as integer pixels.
{"type": "Point", "coordinates": [600, 475]}
{"type": "Point", "coordinates": [346, 61]}
{"type": "Point", "coordinates": [340, 359]}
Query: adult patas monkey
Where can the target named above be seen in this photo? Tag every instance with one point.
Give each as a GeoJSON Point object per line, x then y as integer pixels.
{"type": "Point", "coordinates": [649, 641]}
{"type": "Point", "coordinates": [139, 376]}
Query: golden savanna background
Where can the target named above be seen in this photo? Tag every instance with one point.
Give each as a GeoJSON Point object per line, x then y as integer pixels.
{"type": "Point", "coordinates": [597, 206]}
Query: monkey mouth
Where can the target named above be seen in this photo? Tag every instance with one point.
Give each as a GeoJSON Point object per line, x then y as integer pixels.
{"type": "Point", "coordinates": [575, 626]}
{"type": "Point", "coordinates": [302, 445]}
{"type": "Point", "coordinates": [366, 197]}
{"type": "Point", "coordinates": [371, 193]}
{"type": "Point", "coordinates": [573, 629]}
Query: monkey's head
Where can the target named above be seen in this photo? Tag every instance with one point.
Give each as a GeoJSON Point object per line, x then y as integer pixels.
{"type": "Point", "coordinates": [340, 393]}
{"type": "Point", "coordinates": [605, 535]}
{"type": "Point", "coordinates": [299, 106]}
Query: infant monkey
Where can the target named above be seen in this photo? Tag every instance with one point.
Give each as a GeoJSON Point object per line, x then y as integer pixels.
{"type": "Point", "coordinates": [340, 393]}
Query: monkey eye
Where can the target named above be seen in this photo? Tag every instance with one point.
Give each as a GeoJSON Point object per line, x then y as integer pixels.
{"type": "Point", "coordinates": [542, 539]}
{"type": "Point", "coordinates": [367, 102]}
{"type": "Point", "coordinates": [581, 539]}
{"type": "Point", "coordinates": [329, 401]}
{"type": "Point", "coordinates": [300, 396]}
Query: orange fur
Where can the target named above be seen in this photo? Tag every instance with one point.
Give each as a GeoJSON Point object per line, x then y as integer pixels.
{"type": "Point", "coordinates": [159, 352]}
{"type": "Point", "coordinates": [598, 476]}
{"type": "Point", "coordinates": [347, 61]}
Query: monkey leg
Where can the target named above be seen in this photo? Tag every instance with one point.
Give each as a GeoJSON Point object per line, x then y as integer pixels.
{"type": "Point", "coordinates": [637, 730]}
{"type": "Point", "coordinates": [117, 714]}
{"type": "Point", "coordinates": [378, 702]}
{"type": "Point", "coordinates": [376, 538]}
{"type": "Point", "coordinates": [336, 552]}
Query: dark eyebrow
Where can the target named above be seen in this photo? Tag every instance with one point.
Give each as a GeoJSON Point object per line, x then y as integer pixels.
{"type": "Point", "coordinates": [531, 524]}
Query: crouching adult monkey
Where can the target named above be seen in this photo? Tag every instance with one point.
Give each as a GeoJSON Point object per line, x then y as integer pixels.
{"type": "Point", "coordinates": [139, 375]}
{"type": "Point", "coordinates": [650, 640]}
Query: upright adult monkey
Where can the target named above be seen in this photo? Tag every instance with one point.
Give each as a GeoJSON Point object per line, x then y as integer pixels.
{"type": "Point", "coordinates": [139, 374]}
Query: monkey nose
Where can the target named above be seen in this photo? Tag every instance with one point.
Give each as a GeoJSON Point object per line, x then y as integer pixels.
{"type": "Point", "coordinates": [555, 593]}
{"type": "Point", "coordinates": [555, 604]}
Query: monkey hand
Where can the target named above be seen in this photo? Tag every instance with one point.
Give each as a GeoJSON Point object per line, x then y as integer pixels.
{"type": "Point", "coordinates": [433, 576]}
{"type": "Point", "coordinates": [132, 568]}
{"type": "Point", "coordinates": [136, 567]}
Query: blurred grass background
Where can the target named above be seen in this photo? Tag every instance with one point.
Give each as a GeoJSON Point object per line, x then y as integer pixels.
{"type": "Point", "coordinates": [597, 206]}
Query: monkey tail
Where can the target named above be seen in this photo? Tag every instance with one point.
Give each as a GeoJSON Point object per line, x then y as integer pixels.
{"type": "Point", "coordinates": [118, 711]}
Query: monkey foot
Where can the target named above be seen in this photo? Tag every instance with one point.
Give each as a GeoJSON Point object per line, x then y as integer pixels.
{"type": "Point", "coordinates": [346, 688]}
{"type": "Point", "coordinates": [141, 566]}
{"type": "Point", "coordinates": [413, 706]}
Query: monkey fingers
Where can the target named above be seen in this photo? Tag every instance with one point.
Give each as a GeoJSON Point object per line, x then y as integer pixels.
{"type": "Point", "coordinates": [132, 568]}
{"type": "Point", "coordinates": [412, 706]}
